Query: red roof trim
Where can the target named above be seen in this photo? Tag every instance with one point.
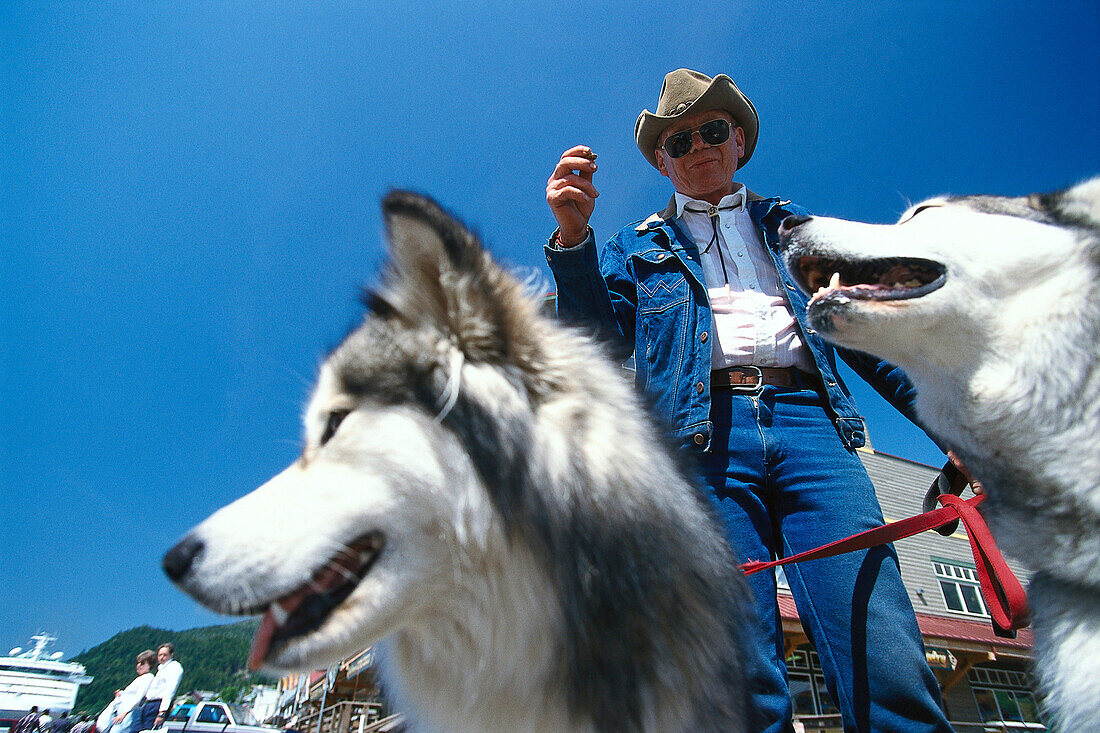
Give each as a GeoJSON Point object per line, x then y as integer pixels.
{"type": "Point", "coordinates": [942, 627]}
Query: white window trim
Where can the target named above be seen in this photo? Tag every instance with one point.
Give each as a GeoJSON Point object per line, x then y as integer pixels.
{"type": "Point", "coordinates": [960, 575]}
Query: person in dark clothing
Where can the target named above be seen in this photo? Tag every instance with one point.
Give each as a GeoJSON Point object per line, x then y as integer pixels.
{"type": "Point", "coordinates": [60, 724]}
{"type": "Point", "coordinates": [29, 723]}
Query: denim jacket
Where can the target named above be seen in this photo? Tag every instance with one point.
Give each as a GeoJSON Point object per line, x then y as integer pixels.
{"type": "Point", "coordinates": [646, 295]}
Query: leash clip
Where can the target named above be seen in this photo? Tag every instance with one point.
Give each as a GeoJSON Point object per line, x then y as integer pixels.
{"type": "Point", "coordinates": [950, 480]}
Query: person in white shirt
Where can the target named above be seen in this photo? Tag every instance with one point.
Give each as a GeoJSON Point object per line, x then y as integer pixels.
{"type": "Point", "coordinates": [126, 700]}
{"type": "Point", "coordinates": [162, 689]}
{"type": "Point", "coordinates": [698, 295]}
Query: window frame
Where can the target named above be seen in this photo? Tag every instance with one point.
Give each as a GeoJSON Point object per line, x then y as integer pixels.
{"type": "Point", "coordinates": [961, 578]}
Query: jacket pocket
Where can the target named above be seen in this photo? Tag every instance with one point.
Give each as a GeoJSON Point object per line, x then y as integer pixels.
{"type": "Point", "coordinates": [661, 280]}
{"type": "Point", "coordinates": [664, 323]}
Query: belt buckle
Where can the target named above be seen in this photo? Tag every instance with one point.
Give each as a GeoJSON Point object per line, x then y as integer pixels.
{"type": "Point", "coordinates": [746, 388]}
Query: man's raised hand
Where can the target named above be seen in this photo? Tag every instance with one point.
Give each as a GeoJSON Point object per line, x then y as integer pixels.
{"type": "Point", "coordinates": [571, 195]}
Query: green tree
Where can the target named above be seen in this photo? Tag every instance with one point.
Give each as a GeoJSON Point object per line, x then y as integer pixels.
{"type": "Point", "coordinates": [213, 658]}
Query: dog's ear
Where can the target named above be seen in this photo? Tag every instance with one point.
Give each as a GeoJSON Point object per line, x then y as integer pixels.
{"type": "Point", "coordinates": [441, 275]}
{"type": "Point", "coordinates": [427, 246]}
{"type": "Point", "coordinates": [1079, 205]}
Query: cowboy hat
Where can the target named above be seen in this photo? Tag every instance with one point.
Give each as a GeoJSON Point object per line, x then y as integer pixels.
{"type": "Point", "coordinates": [685, 92]}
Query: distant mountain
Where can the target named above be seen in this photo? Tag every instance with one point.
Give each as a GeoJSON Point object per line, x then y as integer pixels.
{"type": "Point", "coordinates": [213, 658]}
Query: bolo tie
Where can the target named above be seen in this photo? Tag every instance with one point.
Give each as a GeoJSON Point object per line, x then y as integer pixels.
{"type": "Point", "coordinates": [712, 212]}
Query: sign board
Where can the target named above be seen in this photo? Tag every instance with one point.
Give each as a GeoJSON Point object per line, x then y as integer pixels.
{"type": "Point", "coordinates": [941, 658]}
{"type": "Point", "coordinates": [361, 661]}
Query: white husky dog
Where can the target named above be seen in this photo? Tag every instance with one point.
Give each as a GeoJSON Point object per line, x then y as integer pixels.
{"type": "Point", "coordinates": [482, 496]}
{"type": "Point", "coordinates": [992, 307]}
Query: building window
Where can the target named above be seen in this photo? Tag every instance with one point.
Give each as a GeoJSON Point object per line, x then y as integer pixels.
{"type": "Point", "coordinates": [802, 694]}
{"type": "Point", "coordinates": [1003, 696]}
{"type": "Point", "coordinates": [960, 587]}
{"type": "Point", "coordinates": [809, 694]}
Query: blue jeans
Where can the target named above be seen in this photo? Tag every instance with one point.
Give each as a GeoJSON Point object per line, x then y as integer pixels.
{"type": "Point", "coordinates": [144, 715]}
{"type": "Point", "coordinates": [784, 482]}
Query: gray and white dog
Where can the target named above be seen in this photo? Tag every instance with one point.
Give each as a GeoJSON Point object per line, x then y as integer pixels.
{"type": "Point", "coordinates": [483, 498]}
{"type": "Point", "coordinates": [992, 307]}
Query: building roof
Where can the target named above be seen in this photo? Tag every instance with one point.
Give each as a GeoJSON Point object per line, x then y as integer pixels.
{"type": "Point", "coordinates": [955, 633]}
{"type": "Point", "coordinates": [972, 632]}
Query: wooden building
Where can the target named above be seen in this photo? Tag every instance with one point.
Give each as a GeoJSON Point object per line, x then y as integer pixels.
{"type": "Point", "coordinates": [984, 678]}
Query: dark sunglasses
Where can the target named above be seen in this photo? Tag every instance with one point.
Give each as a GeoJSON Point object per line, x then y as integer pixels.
{"type": "Point", "coordinates": [714, 132]}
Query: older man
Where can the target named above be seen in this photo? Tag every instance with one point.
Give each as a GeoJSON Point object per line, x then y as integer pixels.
{"type": "Point", "coordinates": [720, 342]}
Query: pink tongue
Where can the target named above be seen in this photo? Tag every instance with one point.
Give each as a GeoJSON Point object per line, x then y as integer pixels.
{"type": "Point", "coordinates": [330, 576]}
{"type": "Point", "coordinates": [262, 641]}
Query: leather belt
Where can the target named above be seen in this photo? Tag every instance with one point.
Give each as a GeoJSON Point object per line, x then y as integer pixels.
{"type": "Point", "coordinates": [751, 378]}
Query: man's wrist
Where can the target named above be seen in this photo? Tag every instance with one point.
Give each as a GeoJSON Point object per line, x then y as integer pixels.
{"type": "Point", "coordinates": [570, 242]}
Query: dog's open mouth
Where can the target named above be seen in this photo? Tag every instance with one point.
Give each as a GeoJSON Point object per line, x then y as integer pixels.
{"type": "Point", "coordinates": [305, 609]}
{"type": "Point", "coordinates": [891, 278]}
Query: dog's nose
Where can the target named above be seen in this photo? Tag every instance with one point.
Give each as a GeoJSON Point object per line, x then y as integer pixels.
{"type": "Point", "coordinates": [178, 560]}
{"type": "Point", "coordinates": [789, 223]}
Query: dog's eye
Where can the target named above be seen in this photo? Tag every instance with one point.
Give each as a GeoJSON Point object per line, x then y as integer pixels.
{"type": "Point", "coordinates": [333, 424]}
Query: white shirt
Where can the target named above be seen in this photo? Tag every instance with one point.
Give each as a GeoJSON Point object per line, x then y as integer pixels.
{"type": "Point", "coordinates": [753, 323]}
{"type": "Point", "coordinates": [133, 693]}
{"type": "Point", "coordinates": [165, 683]}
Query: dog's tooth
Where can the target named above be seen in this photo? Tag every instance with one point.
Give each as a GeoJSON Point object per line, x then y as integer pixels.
{"type": "Point", "coordinates": [834, 281]}
{"type": "Point", "coordinates": [278, 613]}
{"type": "Point", "coordinates": [348, 574]}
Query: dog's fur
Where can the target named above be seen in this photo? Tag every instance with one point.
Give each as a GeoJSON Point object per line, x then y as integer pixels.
{"type": "Point", "coordinates": [532, 557]}
{"type": "Point", "coordinates": [998, 327]}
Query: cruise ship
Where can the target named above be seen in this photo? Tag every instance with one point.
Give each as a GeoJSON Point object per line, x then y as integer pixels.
{"type": "Point", "coordinates": [37, 676]}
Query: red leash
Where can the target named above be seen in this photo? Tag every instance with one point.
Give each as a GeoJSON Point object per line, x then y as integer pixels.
{"type": "Point", "coordinates": [1002, 591]}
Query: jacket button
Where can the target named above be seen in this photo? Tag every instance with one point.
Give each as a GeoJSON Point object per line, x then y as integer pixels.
{"type": "Point", "coordinates": [699, 439]}
{"type": "Point", "coordinates": [699, 388]}
{"type": "Point", "coordinates": [703, 337]}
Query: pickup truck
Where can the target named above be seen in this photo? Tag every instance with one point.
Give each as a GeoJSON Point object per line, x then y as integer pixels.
{"type": "Point", "coordinates": [212, 717]}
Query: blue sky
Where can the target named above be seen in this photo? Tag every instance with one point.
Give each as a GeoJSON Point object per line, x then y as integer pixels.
{"type": "Point", "coordinates": [190, 194]}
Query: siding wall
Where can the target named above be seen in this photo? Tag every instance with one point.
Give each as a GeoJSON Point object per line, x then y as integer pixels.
{"type": "Point", "coordinates": [900, 486]}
